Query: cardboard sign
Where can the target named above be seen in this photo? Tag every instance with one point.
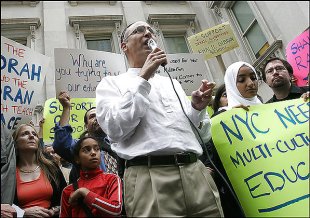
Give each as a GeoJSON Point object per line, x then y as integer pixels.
{"type": "Point", "coordinates": [265, 152]}
{"type": "Point", "coordinates": [214, 41]}
{"type": "Point", "coordinates": [22, 75]}
{"type": "Point", "coordinates": [188, 69]}
{"type": "Point", "coordinates": [79, 71]}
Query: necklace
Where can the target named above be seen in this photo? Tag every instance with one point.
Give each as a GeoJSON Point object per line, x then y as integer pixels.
{"type": "Point", "coordinates": [29, 171]}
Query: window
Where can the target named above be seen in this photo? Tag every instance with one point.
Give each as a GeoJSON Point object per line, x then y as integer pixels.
{"type": "Point", "coordinates": [250, 28]}
{"type": "Point", "coordinates": [22, 41]}
{"type": "Point", "coordinates": [21, 30]}
{"type": "Point", "coordinates": [99, 33]}
{"type": "Point", "coordinates": [173, 31]}
{"type": "Point", "coordinates": [175, 44]}
{"type": "Point", "coordinates": [99, 45]}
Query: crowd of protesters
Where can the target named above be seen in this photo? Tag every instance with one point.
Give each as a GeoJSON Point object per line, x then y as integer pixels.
{"type": "Point", "coordinates": [127, 162]}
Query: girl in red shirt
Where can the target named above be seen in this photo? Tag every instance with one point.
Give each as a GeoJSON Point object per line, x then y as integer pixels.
{"type": "Point", "coordinates": [100, 192]}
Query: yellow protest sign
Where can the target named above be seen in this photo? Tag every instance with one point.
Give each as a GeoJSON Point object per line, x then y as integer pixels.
{"type": "Point", "coordinates": [265, 152]}
{"type": "Point", "coordinates": [53, 110]}
{"type": "Point", "coordinates": [214, 41]}
{"type": "Point", "coordinates": [210, 111]}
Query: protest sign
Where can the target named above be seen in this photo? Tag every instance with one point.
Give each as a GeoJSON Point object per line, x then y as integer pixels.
{"type": "Point", "coordinates": [188, 69]}
{"type": "Point", "coordinates": [79, 71]}
{"type": "Point", "coordinates": [22, 75]}
{"type": "Point", "coordinates": [265, 152]}
{"type": "Point", "coordinates": [214, 41]}
{"type": "Point", "coordinates": [297, 54]}
{"type": "Point", "coordinates": [53, 110]}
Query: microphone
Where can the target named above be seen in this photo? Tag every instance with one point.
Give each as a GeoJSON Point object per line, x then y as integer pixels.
{"type": "Point", "coordinates": [152, 45]}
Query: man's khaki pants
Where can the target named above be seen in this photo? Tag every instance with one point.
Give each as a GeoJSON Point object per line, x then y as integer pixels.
{"type": "Point", "coordinates": [166, 191]}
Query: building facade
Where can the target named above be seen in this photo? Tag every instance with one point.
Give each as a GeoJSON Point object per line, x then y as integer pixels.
{"type": "Point", "coordinates": [263, 28]}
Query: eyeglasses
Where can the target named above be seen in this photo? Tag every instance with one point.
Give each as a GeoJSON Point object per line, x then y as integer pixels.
{"type": "Point", "coordinates": [141, 29]}
{"type": "Point", "coordinates": [277, 68]}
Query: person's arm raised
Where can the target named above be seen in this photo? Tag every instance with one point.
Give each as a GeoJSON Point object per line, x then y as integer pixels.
{"type": "Point", "coordinates": [63, 141]}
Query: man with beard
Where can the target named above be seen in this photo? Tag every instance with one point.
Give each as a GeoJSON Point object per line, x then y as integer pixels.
{"type": "Point", "coordinates": [64, 143]}
{"type": "Point", "coordinates": [278, 74]}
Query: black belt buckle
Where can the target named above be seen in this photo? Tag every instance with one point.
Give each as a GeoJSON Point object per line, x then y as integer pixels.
{"type": "Point", "coordinates": [185, 158]}
{"type": "Point", "coordinates": [177, 160]}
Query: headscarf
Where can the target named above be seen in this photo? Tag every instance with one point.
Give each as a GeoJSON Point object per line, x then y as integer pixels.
{"type": "Point", "coordinates": [233, 95]}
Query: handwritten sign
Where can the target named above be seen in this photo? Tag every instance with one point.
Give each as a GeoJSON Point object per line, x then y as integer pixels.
{"type": "Point", "coordinates": [78, 72]}
{"type": "Point", "coordinates": [53, 110]}
{"type": "Point", "coordinates": [267, 162]}
{"type": "Point", "coordinates": [188, 69]}
{"type": "Point", "coordinates": [214, 41]}
{"type": "Point", "coordinates": [22, 75]}
{"type": "Point", "coordinates": [297, 54]}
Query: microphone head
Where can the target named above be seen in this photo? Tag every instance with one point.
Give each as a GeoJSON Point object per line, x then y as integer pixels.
{"type": "Point", "coordinates": [152, 44]}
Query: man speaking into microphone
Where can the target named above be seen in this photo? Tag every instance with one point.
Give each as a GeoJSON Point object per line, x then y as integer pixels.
{"type": "Point", "coordinates": [142, 116]}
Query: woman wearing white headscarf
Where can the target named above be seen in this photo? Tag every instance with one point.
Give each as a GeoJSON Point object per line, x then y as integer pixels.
{"type": "Point", "coordinates": [241, 90]}
{"type": "Point", "coordinates": [241, 85]}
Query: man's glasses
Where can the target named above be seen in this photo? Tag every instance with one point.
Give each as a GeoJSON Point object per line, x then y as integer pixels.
{"type": "Point", "coordinates": [277, 68]}
{"type": "Point", "coordinates": [139, 30]}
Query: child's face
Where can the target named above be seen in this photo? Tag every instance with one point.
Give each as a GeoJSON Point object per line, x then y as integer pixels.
{"type": "Point", "coordinates": [223, 100]}
{"type": "Point", "coordinates": [89, 154]}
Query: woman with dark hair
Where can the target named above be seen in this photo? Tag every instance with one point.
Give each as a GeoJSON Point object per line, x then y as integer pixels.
{"type": "Point", "coordinates": [220, 101]}
{"type": "Point", "coordinates": [39, 181]}
{"type": "Point", "coordinates": [219, 105]}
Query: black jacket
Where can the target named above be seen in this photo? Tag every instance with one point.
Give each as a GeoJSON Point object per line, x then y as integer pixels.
{"type": "Point", "coordinates": [295, 92]}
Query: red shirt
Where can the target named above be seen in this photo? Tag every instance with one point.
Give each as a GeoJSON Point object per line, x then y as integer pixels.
{"type": "Point", "coordinates": [104, 198]}
{"type": "Point", "coordinates": [37, 192]}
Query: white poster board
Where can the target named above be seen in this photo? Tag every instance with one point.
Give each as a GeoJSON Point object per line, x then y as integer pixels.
{"type": "Point", "coordinates": [79, 71]}
{"type": "Point", "coordinates": [188, 69]}
{"type": "Point", "coordinates": [22, 75]}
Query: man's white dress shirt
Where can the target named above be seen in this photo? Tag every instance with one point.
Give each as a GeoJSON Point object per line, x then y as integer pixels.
{"type": "Point", "coordinates": [144, 117]}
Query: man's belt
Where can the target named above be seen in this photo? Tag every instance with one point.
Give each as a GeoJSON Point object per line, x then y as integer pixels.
{"type": "Point", "coordinates": [163, 160]}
